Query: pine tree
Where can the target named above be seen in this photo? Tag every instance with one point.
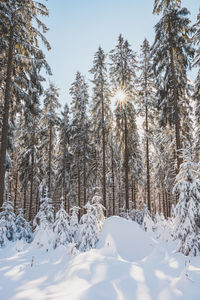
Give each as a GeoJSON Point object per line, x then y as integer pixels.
{"type": "Point", "coordinates": [160, 5]}
{"type": "Point", "coordinates": [88, 231]}
{"type": "Point", "coordinates": [172, 52]}
{"type": "Point", "coordinates": [97, 203]}
{"type": "Point", "coordinates": [20, 41]}
{"type": "Point", "coordinates": [122, 72]}
{"type": "Point", "coordinates": [8, 221]}
{"type": "Point", "coordinates": [146, 98]}
{"type": "Point", "coordinates": [43, 223]}
{"type": "Point", "coordinates": [3, 231]}
{"type": "Point", "coordinates": [49, 123]}
{"type": "Point", "coordinates": [23, 228]}
{"type": "Point", "coordinates": [187, 211]}
{"type": "Point", "coordinates": [64, 156]}
{"type": "Point", "coordinates": [79, 139]}
{"type": "Point", "coordinates": [74, 225]}
{"type": "Point", "coordinates": [61, 227]}
{"type": "Point", "coordinates": [100, 109]}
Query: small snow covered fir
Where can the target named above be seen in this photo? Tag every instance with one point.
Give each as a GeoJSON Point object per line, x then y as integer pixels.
{"type": "Point", "coordinates": [147, 224]}
{"type": "Point", "coordinates": [88, 232]}
{"type": "Point", "coordinates": [7, 222]}
{"type": "Point", "coordinates": [96, 201]}
{"type": "Point", "coordinates": [43, 223]}
{"type": "Point", "coordinates": [187, 210]}
{"type": "Point", "coordinates": [61, 227]}
{"type": "Point", "coordinates": [23, 228]}
{"type": "Point", "coordinates": [3, 230]}
{"type": "Point", "coordinates": [74, 224]}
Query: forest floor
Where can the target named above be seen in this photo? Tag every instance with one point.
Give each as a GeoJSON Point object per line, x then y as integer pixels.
{"type": "Point", "coordinates": [128, 264]}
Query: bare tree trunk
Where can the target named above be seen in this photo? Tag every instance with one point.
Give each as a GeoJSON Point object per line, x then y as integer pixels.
{"type": "Point", "coordinates": [79, 189]}
{"type": "Point", "coordinates": [24, 200]}
{"type": "Point", "coordinates": [50, 158]}
{"type": "Point", "coordinates": [31, 183]}
{"type": "Point", "coordinates": [16, 185]}
{"type": "Point", "coordinates": [84, 175]}
{"type": "Point", "coordinates": [126, 164]}
{"type": "Point", "coordinates": [6, 108]}
{"type": "Point", "coordinates": [104, 153]}
{"type": "Point", "coordinates": [147, 159]}
{"type": "Point", "coordinates": [113, 181]}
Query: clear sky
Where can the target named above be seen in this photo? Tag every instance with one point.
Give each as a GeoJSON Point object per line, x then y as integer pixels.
{"type": "Point", "coordinates": [78, 27]}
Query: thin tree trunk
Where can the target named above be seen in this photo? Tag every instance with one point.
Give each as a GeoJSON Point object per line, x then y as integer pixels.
{"type": "Point", "coordinates": [31, 182]}
{"type": "Point", "coordinates": [147, 158]}
{"type": "Point", "coordinates": [79, 189]}
{"type": "Point", "coordinates": [50, 147]}
{"type": "Point", "coordinates": [104, 153]}
{"type": "Point", "coordinates": [84, 174]}
{"type": "Point", "coordinates": [126, 164]}
{"type": "Point", "coordinates": [16, 185]}
{"type": "Point", "coordinates": [113, 181]}
{"type": "Point", "coordinates": [6, 108]}
{"type": "Point", "coordinates": [24, 200]}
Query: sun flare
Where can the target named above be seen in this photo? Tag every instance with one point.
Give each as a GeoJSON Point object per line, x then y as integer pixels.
{"type": "Point", "coordinates": [120, 96]}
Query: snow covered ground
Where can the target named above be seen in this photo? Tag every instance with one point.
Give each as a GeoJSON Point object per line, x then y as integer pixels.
{"type": "Point", "coordinates": [128, 264]}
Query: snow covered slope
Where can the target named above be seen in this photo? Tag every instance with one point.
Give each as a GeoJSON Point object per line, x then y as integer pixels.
{"type": "Point", "coordinates": [128, 264]}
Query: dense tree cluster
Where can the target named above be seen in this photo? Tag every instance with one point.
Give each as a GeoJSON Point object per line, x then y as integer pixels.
{"type": "Point", "coordinates": [60, 160]}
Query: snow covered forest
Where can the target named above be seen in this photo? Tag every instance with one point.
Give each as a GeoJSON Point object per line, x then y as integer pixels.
{"type": "Point", "coordinates": [121, 162]}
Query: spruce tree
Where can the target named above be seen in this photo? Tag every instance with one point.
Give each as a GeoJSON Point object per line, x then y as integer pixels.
{"type": "Point", "coordinates": [100, 109]}
{"type": "Point", "coordinates": [123, 76]}
{"type": "Point", "coordinates": [79, 138]}
{"type": "Point", "coordinates": [8, 218]}
{"type": "Point", "coordinates": [61, 226]}
{"type": "Point", "coordinates": [64, 156]}
{"type": "Point", "coordinates": [49, 124]}
{"type": "Point", "coordinates": [172, 52]}
{"type": "Point", "coordinates": [88, 231]}
{"type": "Point", "coordinates": [20, 42]}
{"type": "Point", "coordinates": [146, 97]}
{"type": "Point", "coordinates": [187, 211]}
{"type": "Point", "coordinates": [43, 223]}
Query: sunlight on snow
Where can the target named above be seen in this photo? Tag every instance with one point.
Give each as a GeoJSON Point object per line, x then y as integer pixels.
{"type": "Point", "coordinates": [137, 273]}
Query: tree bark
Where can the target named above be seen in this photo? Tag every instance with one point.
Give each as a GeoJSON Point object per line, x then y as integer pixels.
{"type": "Point", "coordinates": [6, 108]}
{"type": "Point", "coordinates": [104, 152]}
{"type": "Point", "coordinates": [50, 158]}
{"type": "Point", "coordinates": [113, 181]}
{"type": "Point", "coordinates": [31, 181]}
{"type": "Point", "coordinates": [147, 157]}
{"type": "Point", "coordinates": [126, 163]}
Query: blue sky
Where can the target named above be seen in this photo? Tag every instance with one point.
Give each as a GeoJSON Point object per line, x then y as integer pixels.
{"type": "Point", "coordinates": [78, 27]}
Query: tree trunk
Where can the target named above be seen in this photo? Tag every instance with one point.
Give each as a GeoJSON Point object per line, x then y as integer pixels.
{"type": "Point", "coordinates": [50, 147]}
{"type": "Point", "coordinates": [24, 200]}
{"type": "Point", "coordinates": [16, 185]}
{"type": "Point", "coordinates": [126, 164]}
{"type": "Point", "coordinates": [6, 108]}
{"type": "Point", "coordinates": [113, 181]}
{"type": "Point", "coordinates": [104, 153]}
{"type": "Point", "coordinates": [31, 183]}
{"type": "Point", "coordinates": [79, 189]}
{"type": "Point", "coordinates": [147, 157]}
{"type": "Point", "coordinates": [84, 173]}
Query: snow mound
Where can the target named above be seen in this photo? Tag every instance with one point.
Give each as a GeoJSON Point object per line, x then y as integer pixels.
{"type": "Point", "coordinates": [125, 239]}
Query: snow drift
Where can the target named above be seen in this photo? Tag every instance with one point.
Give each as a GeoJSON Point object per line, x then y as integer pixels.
{"type": "Point", "coordinates": [126, 239]}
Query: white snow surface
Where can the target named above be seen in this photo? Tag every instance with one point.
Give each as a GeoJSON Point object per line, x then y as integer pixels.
{"type": "Point", "coordinates": [128, 264]}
